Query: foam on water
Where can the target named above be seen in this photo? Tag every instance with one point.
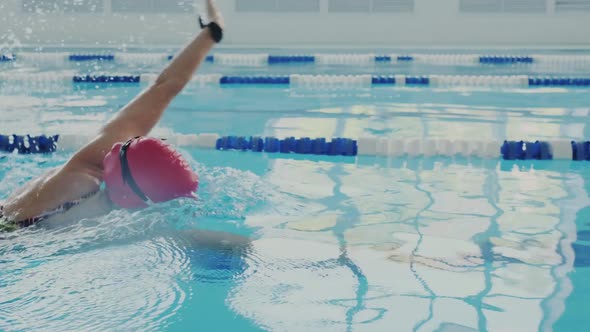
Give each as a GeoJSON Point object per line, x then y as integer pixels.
{"type": "Point", "coordinates": [129, 266]}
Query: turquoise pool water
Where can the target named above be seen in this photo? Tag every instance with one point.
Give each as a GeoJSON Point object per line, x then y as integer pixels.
{"type": "Point", "coordinates": [355, 244]}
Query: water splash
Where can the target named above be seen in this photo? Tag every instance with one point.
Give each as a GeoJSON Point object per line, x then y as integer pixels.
{"type": "Point", "coordinates": [130, 270]}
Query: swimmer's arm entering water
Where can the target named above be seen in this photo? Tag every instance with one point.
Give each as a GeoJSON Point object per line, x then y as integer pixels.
{"type": "Point", "coordinates": [142, 114]}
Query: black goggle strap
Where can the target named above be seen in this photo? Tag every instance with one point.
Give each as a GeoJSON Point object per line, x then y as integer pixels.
{"type": "Point", "coordinates": [126, 172]}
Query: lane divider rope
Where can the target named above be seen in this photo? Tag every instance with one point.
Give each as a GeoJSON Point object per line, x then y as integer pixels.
{"type": "Point", "coordinates": [364, 146]}
{"type": "Point", "coordinates": [309, 81]}
{"type": "Point", "coordinates": [262, 59]}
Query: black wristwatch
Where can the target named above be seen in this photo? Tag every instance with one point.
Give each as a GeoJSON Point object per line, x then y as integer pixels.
{"type": "Point", "coordinates": [214, 28]}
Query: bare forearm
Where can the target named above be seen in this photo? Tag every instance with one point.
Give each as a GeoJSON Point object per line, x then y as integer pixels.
{"type": "Point", "coordinates": [139, 116]}
{"type": "Point", "coordinates": [184, 65]}
{"type": "Point", "coordinates": [143, 113]}
{"type": "Point", "coordinates": [180, 71]}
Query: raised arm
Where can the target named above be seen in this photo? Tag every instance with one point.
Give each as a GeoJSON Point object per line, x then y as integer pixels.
{"type": "Point", "coordinates": [142, 114]}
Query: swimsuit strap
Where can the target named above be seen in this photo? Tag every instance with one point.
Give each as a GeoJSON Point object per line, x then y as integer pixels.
{"type": "Point", "coordinates": [7, 225]}
{"type": "Point", "coordinates": [64, 207]}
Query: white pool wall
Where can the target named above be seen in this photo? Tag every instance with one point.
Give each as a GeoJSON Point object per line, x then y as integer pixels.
{"type": "Point", "coordinates": [421, 23]}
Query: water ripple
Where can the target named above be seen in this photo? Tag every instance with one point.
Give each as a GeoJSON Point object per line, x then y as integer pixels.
{"type": "Point", "coordinates": [116, 287]}
{"type": "Point", "coordinates": [124, 271]}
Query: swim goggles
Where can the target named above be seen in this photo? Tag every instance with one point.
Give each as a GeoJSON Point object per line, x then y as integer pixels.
{"type": "Point", "coordinates": [126, 173]}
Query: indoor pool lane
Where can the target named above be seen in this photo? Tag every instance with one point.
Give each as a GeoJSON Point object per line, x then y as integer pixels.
{"type": "Point", "coordinates": [417, 264]}
{"type": "Point", "coordinates": [309, 61]}
{"type": "Point", "coordinates": [332, 243]}
{"type": "Point", "coordinates": [400, 113]}
{"type": "Point", "coordinates": [420, 244]}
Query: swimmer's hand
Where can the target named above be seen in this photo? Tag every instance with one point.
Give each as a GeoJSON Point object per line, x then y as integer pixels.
{"type": "Point", "coordinates": [213, 13]}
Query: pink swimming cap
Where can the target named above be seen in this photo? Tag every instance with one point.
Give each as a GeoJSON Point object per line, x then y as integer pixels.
{"type": "Point", "coordinates": [159, 171]}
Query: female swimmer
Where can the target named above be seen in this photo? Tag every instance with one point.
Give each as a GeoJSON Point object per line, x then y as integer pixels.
{"type": "Point", "coordinates": [136, 170]}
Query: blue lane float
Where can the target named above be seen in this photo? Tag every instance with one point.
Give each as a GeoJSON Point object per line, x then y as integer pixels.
{"type": "Point", "coordinates": [581, 151]}
{"type": "Point", "coordinates": [28, 144]}
{"type": "Point", "coordinates": [350, 59]}
{"type": "Point", "coordinates": [305, 145]}
{"type": "Point", "coordinates": [405, 58]}
{"type": "Point", "coordinates": [383, 80]}
{"type": "Point", "coordinates": [505, 59]}
{"type": "Point", "coordinates": [239, 80]}
{"type": "Point", "coordinates": [318, 81]}
{"type": "Point", "coordinates": [521, 150]}
{"type": "Point", "coordinates": [558, 81]}
{"type": "Point", "coordinates": [106, 79]}
{"type": "Point", "coordinates": [91, 57]}
{"type": "Point", "coordinates": [383, 58]}
{"type": "Point", "coordinates": [423, 80]}
{"type": "Point", "coordinates": [7, 57]}
{"type": "Point", "coordinates": [368, 146]}
{"type": "Point", "coordinates": [289, 59]}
